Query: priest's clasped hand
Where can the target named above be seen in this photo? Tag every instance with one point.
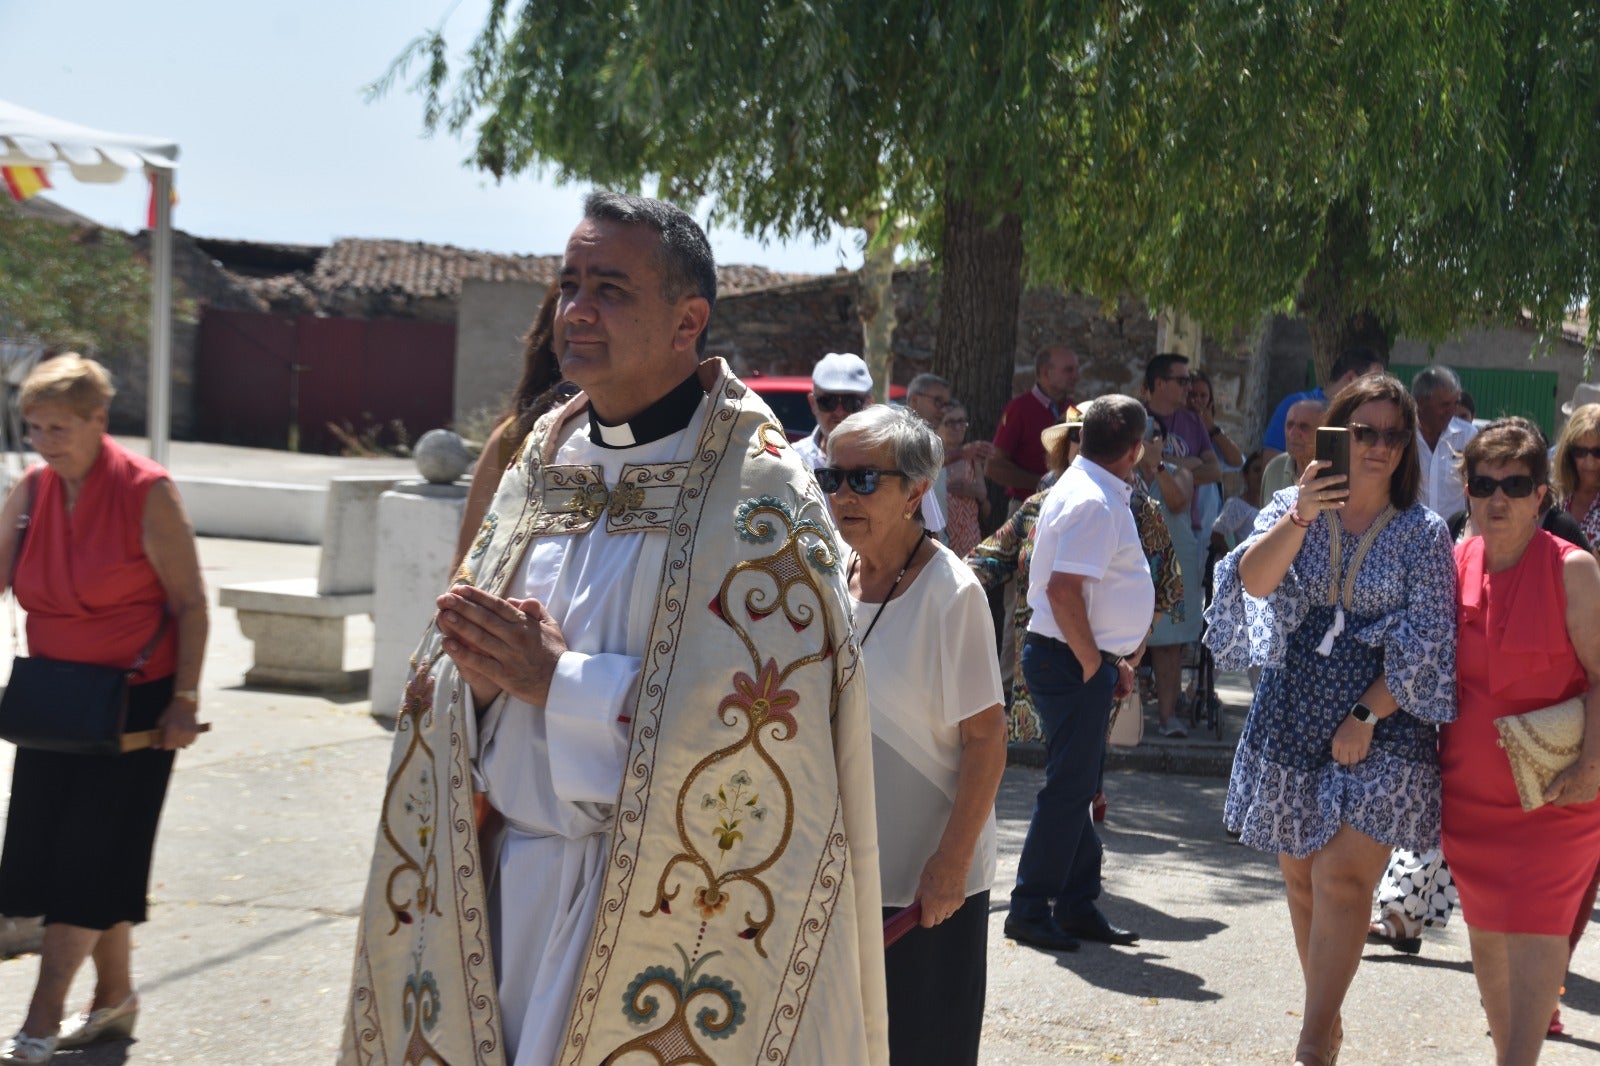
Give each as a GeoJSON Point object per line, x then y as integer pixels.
{"type": "Point", "coordinates": [500, 645]}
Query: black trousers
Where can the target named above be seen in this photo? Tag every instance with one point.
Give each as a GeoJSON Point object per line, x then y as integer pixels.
{"type": "Point", "coordinates": [937, 979]}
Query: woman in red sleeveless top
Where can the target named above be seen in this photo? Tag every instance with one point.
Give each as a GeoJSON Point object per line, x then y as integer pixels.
{"type": "Point", "coordinates": [108, 572]}
{"type": "Point", "coordinates": [1528, 628]}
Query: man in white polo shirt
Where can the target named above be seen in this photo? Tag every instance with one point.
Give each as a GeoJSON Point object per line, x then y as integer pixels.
{"type": "Point", "coordinates": [1093, 602]}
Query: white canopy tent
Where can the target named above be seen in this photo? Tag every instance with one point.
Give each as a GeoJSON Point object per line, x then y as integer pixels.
{"type": "Point", "coordinates": [29, 139]}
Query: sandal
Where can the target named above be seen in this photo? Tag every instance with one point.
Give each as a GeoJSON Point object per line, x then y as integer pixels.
{"type": "Point", "coordinates": [1390, 929]}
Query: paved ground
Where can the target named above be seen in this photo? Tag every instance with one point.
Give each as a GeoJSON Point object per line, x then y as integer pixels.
{"type": "Point", "coordinates": [264, 846]}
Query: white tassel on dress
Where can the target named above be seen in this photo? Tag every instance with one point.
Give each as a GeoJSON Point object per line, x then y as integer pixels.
{"type": "Point", "coordinates": [1326, 647]}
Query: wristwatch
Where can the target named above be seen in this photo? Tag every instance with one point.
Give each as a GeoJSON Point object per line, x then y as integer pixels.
{"type": "Point", "coordinates": [1363, 714]}
{"type": "Point", "coordinates": [1214, 430]}
{"type": "Point", "coordinates": [1115, 660]}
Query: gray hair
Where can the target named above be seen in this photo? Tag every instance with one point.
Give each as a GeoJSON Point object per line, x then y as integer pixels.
{"type": "Point", "coordinates": [1319, 402]}
{"type": "Point", "coordinates": [916, 446]}
{"type": "Point", "coordinates": [1434, 379]}
{"type": "Point", "coordinates": [923, 382]}
{"type": "Point", "coordinates": [1112, 424]}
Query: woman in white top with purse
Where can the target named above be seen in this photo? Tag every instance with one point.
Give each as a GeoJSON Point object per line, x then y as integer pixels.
{"type": "Point", "coordinates": [938, 728]}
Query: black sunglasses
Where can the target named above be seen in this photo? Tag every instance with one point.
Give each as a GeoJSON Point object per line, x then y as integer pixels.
{"type": "Point", "coordinates": [862, 482]}
{"type": "Point", "coordinates": [1367, 436]}
{"type": "Point", "coordinates": [831, 402]}
{"type": "Point", "coordinates": [1517, 486]}
{"type": "Point", "coordinates": [1579, 451]}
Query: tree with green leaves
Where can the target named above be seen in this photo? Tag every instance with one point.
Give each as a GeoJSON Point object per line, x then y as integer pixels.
{"type": "Point", "coordinates": [71, 287]}
{"type": "Point", "coordinates": [790, 118]}
{"type": "Point", "coordinates": [1378, 166]}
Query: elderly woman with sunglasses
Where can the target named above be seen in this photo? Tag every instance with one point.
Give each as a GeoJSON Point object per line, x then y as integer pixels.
{"type": "Point", "coordinates": [1344, 593]}
{"type": "Point", "coordinates": [938, 730]}
{"type": "Point", "coordinates": [1529, 631]}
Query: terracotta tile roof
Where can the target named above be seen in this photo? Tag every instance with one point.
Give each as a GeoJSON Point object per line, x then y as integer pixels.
{"type": "Point", "coordinates": [418, 270]}
{"type": "Point", "coordinates": [353, 272]}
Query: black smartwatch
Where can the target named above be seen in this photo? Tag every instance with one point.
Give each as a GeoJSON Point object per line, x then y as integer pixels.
{"type": "Point", "coordinates": [1363, 714]}
{"type": "Point", "coordinates": [1115, 660]}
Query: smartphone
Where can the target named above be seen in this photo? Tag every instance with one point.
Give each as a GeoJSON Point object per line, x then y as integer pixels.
{"type": "Point", "coordinates": [1333, 448]}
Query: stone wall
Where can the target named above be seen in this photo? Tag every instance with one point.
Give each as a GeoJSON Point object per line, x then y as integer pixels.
{"type": "Point", "coordinates": [785, 329]}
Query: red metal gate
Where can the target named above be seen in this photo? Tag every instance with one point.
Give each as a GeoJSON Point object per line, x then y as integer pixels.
{"type": "Point", "coordinates": [257, 375]}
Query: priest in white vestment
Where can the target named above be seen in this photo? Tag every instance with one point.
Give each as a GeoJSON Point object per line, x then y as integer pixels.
{"type": "Point", "coordinates": [648, 671]}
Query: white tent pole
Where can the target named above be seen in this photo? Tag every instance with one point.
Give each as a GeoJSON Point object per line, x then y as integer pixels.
{"type": "Point", "coordinates": [160, 389]}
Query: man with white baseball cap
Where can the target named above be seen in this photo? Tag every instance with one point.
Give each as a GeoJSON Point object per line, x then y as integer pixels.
{"type": "Point", "coordinates": [841, 385]}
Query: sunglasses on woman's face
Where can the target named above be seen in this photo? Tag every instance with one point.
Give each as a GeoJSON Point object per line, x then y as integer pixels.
{"type": "Point", "coordinates": [1578, 451]}
{"type": "Point", "coordinates": [1517, 486]}
{"type": "Point", "coordinates": [831, 402]}
{"type": "Point", "coordinates": [862, 482]}
{"type": "Point", "coordinates": [1367, 436]}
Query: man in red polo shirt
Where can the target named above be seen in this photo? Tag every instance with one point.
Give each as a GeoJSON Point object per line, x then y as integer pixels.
{"type": "Point", "coordinates": [1018, 461]}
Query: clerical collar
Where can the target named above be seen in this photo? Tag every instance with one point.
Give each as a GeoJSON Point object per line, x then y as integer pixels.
{"type": "Point", "coordinates": [666, 416]}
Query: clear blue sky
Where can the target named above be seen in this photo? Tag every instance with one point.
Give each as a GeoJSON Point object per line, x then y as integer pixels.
{"type": "Point", "coordinates": [277, 141]}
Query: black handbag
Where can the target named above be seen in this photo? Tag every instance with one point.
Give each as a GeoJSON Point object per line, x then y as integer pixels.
{"type": "Point", "coordinates": [55, 705]}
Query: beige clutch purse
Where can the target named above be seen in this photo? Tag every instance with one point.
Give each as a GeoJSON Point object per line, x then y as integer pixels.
{"type": "Point", "coordinates": [1541, 744]}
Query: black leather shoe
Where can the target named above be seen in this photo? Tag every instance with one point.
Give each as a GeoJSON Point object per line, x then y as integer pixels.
{"type": "Point", "coordinates": [1042, 933]}
{"type": "Point", "coordinates": [1093, 926]}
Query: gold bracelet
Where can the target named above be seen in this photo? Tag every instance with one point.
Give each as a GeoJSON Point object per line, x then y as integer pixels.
{"type": "Point", "coordinates": [189, 694]}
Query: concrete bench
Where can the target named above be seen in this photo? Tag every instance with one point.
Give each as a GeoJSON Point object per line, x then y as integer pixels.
{"type": "Point", "coordinates": [297, 624]}
{"type": "Point", "coordinates": [298, 632]}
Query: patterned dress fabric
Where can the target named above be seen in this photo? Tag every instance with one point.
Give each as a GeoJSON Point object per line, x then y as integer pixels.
{"type": "Point", "coordinates": [1418, 885]}
{"type": "Point", "coordinates": [1287, 794]}
{"type": "Point", "coordinates": [1589, 521]}
{"type": "Point", "coordinates": [961, 529]}
{"type": "Point", "coordinates": [1517, 871]}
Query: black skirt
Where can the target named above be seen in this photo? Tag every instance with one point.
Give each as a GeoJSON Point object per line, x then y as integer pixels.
{"type": "Point", "coordinates": [82, 828]}
{"type": "Point", "coordinates": [936, 981]}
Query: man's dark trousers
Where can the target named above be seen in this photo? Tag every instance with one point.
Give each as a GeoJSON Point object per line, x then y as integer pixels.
{"type": "Point", "coordinates": [1061, 855]}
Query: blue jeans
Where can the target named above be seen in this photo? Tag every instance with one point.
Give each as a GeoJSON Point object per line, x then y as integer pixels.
{"type": "Point", "coordinates": [1061, 855]}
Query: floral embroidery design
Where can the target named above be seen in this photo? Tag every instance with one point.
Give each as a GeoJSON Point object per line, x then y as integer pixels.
{"type": "Point", "coordinates": [742, 787]}
{"type": "Point", "coordinates": [408, 819]}
{"type": "Point", "coordinates": [419, 1012]}
{"type": "Point", "coordinates": [574, 498]}
{"type": "Point", "coordinates": [719, 1011]}
{"type": "Point", "coordinates": [770, 438]}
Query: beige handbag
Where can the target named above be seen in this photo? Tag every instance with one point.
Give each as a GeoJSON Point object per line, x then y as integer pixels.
{"type": "Point", "coordinates": [1127, 721]}
{"type": "Point", "coordinates": [1541, 744]}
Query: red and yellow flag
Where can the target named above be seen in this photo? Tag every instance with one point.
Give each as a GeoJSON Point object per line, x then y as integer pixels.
{"type": "Point", "coordinates": [24, 183]}
{"type": "Point", "coordinates": [150, 212]}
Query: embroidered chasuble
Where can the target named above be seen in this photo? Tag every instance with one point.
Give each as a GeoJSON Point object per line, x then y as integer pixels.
{"type": "Point", "coordinates": [688, 868]}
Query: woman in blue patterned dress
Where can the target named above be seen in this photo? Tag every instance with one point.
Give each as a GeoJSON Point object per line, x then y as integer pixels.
{"type": "Point", "coordinates": [1346, 596]}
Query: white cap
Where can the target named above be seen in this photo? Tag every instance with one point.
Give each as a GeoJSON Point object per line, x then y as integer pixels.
{"type": "Point", "coordinates": [841, 372]}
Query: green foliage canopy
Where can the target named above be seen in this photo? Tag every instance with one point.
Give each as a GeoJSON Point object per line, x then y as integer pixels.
{"type": "Point", "coordinates": [1420, 163]}
{"type": "Point", "coordinates": [70, 287]}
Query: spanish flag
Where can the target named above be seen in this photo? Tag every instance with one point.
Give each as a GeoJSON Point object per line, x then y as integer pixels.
{"type": "Point", "coordinates": [24, 183]}
{"type": "Point", "coordinates": [150, 212]}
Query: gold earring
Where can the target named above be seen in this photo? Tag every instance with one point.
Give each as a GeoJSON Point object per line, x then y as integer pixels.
{"type": "Point", "coordinates": [907, 516]}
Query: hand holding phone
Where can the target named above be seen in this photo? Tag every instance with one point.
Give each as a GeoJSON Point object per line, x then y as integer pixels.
{"type": "Point", "coordinates": [1333, 448]}
{"type": "Point", "coordinates": [1325, 483]}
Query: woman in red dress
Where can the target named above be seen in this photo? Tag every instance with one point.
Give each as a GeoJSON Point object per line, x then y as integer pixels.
{"type": "Point", "coordinates": [108, 574]}
{"type": "Point", "coordinates": [1528, 637]}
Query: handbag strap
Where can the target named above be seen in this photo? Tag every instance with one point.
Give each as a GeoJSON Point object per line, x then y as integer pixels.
{"type": "Point", "coordinates": [29, 483]}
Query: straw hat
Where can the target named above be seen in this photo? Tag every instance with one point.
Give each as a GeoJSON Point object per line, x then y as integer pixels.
{"type": "Point", "coordinates": [1054, 432]}
{"type": "Point", "coordinates": [1586, 393]}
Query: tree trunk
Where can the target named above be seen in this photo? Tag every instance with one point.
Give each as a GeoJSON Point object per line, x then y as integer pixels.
{"type": "Point", "coordinates": [1325, 299]}
{"type": "Point", "coordinates": [875, 305]}
{"type": "Point", "coordinates": [980, 291]}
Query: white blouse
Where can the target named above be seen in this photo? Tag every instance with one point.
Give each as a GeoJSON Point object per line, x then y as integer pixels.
{"type": "Point", "coordinates": [930, 663]}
